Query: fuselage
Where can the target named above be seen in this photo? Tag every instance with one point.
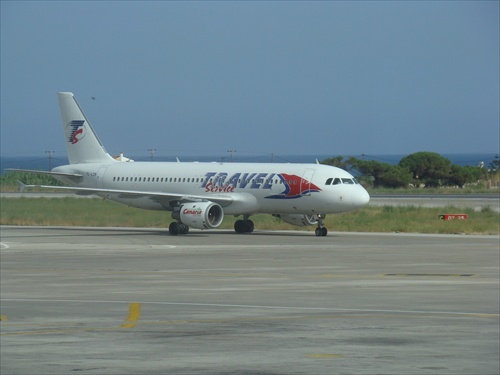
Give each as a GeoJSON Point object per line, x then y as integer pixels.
{"type": "Point", "coordinates": [255, 187]}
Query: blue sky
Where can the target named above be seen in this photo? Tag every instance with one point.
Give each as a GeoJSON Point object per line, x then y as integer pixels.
{"type": "Point", "coordinates": [200, 78]}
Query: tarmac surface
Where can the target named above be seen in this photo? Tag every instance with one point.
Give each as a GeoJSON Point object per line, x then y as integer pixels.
{"type": "Point", "coordinates": [138, 301]}
{"type": "Point", "coordinates": [477, 202]}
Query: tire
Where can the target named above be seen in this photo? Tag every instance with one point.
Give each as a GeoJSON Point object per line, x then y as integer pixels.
{"type": "Point", "coordinates": [174, 228]}
{"type": "Point", "coordinates": [239, 226]}
{"type": "Point", "coordinates": [321, 232]}
{"type": "Point", "coordinates": [183, 228]}
{"type": "Point", "coordinates": [249, 226]}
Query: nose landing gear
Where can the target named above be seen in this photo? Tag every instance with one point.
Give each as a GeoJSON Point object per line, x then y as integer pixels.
{"type": "Point", "coordinates": [321, 231]}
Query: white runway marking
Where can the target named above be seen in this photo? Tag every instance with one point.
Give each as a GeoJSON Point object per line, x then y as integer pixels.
{"type": "Point", "coordinates": [385, 311]}
{"type": "Point", "coordinates": [3, 246]}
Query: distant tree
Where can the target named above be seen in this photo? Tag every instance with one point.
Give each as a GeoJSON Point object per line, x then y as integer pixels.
{"type": "Point", "coordinates": [337, 161]}
{"type": "Point", "coordinates": [396, 177]}
{"type": "Point", "coordinates": [382, 174]}
{"type": "Point", "coordinates": [460, 176]}
{"type": "Point", "coordinates": [495, 164]}
{"type": "Point", "coordinates": [429, 168]}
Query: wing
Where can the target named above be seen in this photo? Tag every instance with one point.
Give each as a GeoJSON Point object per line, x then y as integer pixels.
{"type": "Point", "coordinates": [165, 199]}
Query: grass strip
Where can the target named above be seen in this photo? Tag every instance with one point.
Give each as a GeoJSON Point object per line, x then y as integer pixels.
{"type": "Point", "coordinates": [103, 213]}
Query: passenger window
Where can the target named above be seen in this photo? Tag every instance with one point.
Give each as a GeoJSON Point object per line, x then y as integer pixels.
{"type": "Point", "coordinates": [329, 181]}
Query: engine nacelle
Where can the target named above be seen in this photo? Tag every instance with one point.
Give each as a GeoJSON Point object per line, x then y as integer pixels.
{"type": "Point", "coordinates": [201, 215]}
{"type": "Point", "coordinates": [300, 220]}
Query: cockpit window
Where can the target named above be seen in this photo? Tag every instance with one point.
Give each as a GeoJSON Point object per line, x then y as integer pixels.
{"type": "Point", "coordinates": [338, 181]}
{"type": "Point", "coordinates": [347, 181]}
{"type": "Point", "coordinates": [355, 181]}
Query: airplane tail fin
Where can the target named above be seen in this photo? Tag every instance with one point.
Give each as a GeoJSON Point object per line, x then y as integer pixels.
{"type": "Point", "coordinates": [82, 143]}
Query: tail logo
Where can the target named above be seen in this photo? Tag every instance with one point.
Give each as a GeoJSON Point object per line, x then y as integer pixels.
{"type": "Point", "coordinates": [75, 131]}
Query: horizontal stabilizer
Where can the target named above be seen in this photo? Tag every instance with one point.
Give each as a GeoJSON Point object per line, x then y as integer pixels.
{"type": "Point", "coordinates": [22, 186]}
{"type": "Point", "coordinates": [44, 172]}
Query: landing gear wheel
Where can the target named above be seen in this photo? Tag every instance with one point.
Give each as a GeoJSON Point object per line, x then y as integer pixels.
{"type": "Point", "coordinates": [321, 231]}
{"type": "Point", "coordinates": [174, 228]}
{"type": "Point", "coordinates": [249, 226]}
{"type": "Point", "coordinates": [177, 228]}
{"type": "Point", "coordinates": [184, 229]}
{"type": "Point", "coordinates": [244, 226]}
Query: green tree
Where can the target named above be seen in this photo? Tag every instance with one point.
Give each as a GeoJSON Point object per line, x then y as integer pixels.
{"type": "Point", "coordinates": [495, 164]}
{"type": "Point", "coordinates": [396, 177]}
{"type": "Point", "coordinates": [382, 174]}
{"type": "Point", "coordinates": [337, 161]}
{"type": "Point", "coordinates": [464, 175]}
{"type": "Point", "coordinates": [429, 168]}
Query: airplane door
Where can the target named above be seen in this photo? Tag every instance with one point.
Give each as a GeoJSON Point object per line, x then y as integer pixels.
{"type": "Point", "coordinates": [305, 182]}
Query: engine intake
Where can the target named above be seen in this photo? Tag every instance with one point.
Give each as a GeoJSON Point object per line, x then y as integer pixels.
{"type": "Point", "coordinates": [201, 215]}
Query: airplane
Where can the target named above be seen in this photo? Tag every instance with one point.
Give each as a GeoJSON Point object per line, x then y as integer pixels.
{"type": "Point", "coordinates": [197, 194]}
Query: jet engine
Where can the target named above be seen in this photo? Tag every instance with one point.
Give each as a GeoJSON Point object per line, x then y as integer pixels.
{"type": "Point", "coordinates": [300, 220]}
{"type": "Point", "coordinates": [201, 215]}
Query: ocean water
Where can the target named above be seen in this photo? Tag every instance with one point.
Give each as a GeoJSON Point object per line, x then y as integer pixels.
{"type": "Point", "coordinates": [44, 163]}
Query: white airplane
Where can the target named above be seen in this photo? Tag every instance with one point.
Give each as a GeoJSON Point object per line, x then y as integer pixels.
{"type": "Point", "coordinates": [197, 194]}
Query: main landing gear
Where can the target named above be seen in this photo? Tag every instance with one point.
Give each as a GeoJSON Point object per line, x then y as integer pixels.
{"type": "Point", "coordinates": [244, 226]}
{"type": "Point", "coordinates": [321, 231]}
{"type": "Point", "coordinates": [177, 227]}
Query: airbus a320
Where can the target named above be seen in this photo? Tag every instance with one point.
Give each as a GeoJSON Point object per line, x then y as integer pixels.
{"type": "Point", "coordinates": [199, 195]}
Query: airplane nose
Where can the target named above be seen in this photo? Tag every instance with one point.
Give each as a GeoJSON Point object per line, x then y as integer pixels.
{"type": "Point", "coordinates": [361, 199]}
